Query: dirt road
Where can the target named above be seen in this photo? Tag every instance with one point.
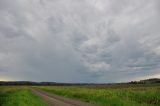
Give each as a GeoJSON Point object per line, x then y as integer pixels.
{"type": "Point", "coordinates": [55, 100]}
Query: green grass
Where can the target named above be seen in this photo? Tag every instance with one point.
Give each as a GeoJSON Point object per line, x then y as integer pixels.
{"type": "Point", "coordinates": [117, 95]}
{"type": "Point", "coordinates": [19, 96]}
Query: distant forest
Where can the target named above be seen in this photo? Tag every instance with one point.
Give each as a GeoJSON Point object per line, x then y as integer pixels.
{"type": "Point", "coordinates": [146, 81]}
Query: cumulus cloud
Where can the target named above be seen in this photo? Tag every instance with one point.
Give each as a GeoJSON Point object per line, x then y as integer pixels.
{"type": "Point", "coordinates": [79, 40]}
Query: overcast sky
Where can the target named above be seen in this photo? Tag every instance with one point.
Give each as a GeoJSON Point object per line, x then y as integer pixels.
{"type": "Point", "coordinates": [79, 40]}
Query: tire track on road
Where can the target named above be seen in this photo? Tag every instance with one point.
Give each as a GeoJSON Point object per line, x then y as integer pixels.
{"type": "Point", "coordinates": [55, 100]}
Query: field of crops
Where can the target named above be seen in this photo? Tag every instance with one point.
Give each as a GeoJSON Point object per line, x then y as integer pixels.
{"type": "Point", "coordinates": [117, 95]}
{"type": "Point", "coordinates": [18, 96]}
{"type": "Point", "coordinates": [112, 95]}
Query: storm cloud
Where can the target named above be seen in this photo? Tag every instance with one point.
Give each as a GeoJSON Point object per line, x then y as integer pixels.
{"type": "Point", "coordinates": [79, 40]}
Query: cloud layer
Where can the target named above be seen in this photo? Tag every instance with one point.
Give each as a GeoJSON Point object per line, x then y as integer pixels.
{"type": "Point", "coordinates": [79, 40]}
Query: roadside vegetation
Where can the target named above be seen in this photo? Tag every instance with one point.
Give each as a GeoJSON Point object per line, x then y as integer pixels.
{"type": "Point", "coordinates": [18, 96]}
{"type": "Point", "coordinates": [111, 95]}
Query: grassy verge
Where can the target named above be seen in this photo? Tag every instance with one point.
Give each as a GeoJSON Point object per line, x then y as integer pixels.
{"type": "Point", "coordinates": [129, 95]}
{"type": "Point", "coordinates": [18, 96]}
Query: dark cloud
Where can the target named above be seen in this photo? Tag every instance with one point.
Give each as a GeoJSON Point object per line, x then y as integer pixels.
{"type": "Point", "coordinates": [79, 40]}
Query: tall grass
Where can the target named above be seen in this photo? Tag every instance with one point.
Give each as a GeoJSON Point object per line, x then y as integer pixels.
{"type": "Point", "coordinates": [18, 96]}
{"type": "Point", "coordinates": [127, 95]}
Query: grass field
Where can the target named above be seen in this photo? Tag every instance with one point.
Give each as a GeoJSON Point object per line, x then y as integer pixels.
{"type": "Point", "coordinates": [117, 95]}
{"type": "Point", "coordinates": [18, 96]}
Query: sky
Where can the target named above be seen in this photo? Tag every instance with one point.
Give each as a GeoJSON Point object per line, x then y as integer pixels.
{"type": "Point", "coordinates": [98, 41]}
